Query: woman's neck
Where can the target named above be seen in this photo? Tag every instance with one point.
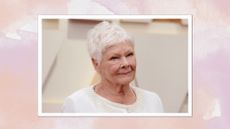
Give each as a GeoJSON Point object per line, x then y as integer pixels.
{"type": "Point", "coordinates": [120, 93]}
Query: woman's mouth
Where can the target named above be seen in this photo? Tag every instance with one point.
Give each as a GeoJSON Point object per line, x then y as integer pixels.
{"type": "Point", "coordinates": [126, 72]}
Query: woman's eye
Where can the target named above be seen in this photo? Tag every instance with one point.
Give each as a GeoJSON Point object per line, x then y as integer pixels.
{"type": "Point", "coordinates": [130, 54]}
{"type": "Point", "coordinates": [114, 58]}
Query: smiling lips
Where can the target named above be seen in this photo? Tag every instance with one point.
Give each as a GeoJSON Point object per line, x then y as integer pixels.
{"type": "Point", "coordinates": [126, 72]}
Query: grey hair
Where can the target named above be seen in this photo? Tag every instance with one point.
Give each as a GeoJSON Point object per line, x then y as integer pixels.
{"type": "Point", "coordinates": [104, 35]}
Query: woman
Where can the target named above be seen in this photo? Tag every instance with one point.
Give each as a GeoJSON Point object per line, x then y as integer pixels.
{"type": "Point", "coordinates": [113, 57]}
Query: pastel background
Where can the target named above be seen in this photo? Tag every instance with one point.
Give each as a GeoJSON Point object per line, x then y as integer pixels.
{"type": "Point", "coordinates": [18, 63]}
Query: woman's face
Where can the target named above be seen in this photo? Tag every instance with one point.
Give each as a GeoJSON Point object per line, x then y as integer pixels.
{"type": "Point", "coordinates": [118, 64]}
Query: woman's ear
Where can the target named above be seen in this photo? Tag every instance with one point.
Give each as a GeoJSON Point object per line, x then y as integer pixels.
{"type": "Point", "coordinates": [95, 64]}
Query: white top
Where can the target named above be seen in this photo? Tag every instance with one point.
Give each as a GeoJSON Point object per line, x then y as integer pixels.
{"type": "Point", "coordinates": [88, 101]}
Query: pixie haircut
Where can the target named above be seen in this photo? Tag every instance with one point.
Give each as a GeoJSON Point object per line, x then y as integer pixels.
{"type": "Point", "coordinates": [103, 35]}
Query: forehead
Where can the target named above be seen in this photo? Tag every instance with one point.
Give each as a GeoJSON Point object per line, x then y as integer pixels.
{"type": "Point", "coordinates": [119, 48]}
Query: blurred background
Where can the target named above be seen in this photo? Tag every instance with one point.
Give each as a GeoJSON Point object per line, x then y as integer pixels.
{"type": "Point", "coordinates": [161, 47]}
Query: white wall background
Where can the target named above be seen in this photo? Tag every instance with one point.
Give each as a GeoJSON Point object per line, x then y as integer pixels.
{"type": "Point", "coordinates": [161, 50]}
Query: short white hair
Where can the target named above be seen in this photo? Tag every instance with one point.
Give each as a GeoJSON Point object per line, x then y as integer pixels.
{"type": "Point", "coordinates": [104, 35]}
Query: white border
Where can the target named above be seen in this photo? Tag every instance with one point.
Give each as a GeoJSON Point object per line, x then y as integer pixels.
{"type": "Point", "coordinates": [188, 17]}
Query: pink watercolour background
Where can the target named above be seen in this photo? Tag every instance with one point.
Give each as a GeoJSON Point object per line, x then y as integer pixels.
{"type": "Point", "coordinates": [18, 63]}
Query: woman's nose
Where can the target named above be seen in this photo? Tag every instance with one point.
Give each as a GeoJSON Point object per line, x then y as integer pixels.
{"type": "Point", "coordinates": [124, 62]}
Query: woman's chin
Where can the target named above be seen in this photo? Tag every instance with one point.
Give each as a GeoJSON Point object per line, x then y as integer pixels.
{"type": "Point", "coordinates": [125, 81]}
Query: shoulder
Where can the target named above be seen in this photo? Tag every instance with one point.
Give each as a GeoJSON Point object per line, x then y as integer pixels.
{"type": "Point", "coordinates": [79, 101]}
{"type": "Point", "coordinates": [150, 98]}
{"type": "Point", "coordinates": [146, 93]}
{"type": "Point", "coordinates": [80, 93]}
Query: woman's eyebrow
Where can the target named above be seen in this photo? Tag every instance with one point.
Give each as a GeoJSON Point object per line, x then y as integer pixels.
{"type": "Point", "coordinates": [130, 51]}
{"type": "Point", "coordinates": [114, 54]}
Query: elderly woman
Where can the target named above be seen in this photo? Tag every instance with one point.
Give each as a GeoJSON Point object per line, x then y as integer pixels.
{"type": "Point", "coordinates": [112, 53]}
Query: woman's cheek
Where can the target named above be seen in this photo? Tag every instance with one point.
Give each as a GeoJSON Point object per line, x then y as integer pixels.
{"type": "Point", "coordinates": [115, 69]}
{"type": "Point", "coordinates": [133, 65]}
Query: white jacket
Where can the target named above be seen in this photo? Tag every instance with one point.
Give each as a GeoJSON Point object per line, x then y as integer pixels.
{"type": "Point", "coordinates": [87, 101]}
